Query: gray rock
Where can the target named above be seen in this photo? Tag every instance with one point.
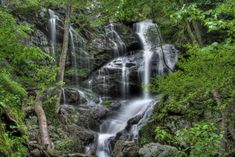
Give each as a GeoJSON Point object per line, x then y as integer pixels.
{"type": "Point", "coordinates": [84, 135]}
{"type": "Point", "coordinates": [83, 115]}
{"type": "Point", "coordinates": [125, 149]}
{"type": "Point", "coordinates": [38, 38]}
{"type": "Point", "coordinates": [175, 123]}
{"type": "Point", "coordinates": [156, 150]}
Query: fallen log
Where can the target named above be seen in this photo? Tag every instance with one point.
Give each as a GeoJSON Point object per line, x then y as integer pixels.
{"type": "Point", "coordinates": [45, 139]}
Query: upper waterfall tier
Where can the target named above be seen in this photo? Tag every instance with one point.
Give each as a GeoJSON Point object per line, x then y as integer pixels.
{"type": "Point", "coordinates": [142, 30]}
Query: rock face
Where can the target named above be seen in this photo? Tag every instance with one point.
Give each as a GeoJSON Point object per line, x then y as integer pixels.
{"type": "Point", "coordinates": [40, 39]}
{"type": "Point", "coordinates": [101, 45]}
{"type": "Point", "coordinates": [82, 109]}
{"type": "Point", "coordinates": [108, 82]}
{"type": "Point", "coordinates": [125, 149]}
{"type": "Point", "coordinates": [156, 150]}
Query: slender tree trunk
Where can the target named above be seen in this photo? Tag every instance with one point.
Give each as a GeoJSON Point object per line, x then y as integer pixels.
{"type": "Point", "coordinates": [190, 32]}
{"type": "Point", "coordinates": [224, 122]}
{"type": "Point", "coordinates": [161, 41]}
{"type": "Point", "coordinates": [45, 139]}
{"type": "Point", "coordinates": [64, 52]}
{"type": "Point", "coordinates": [197, 32]}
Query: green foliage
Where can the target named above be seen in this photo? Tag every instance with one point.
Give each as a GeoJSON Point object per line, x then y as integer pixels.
{"type": "Point", "coordinates": [203, 139]}
{"type": "Point", "coordinates": [28, 6]}
{"type": "Point", "coordinates": [49, 107]}
{"type": "Point", "coordinates": [106, 103]}
{"type": "Point", "coordinates": [25, 5]}
{"type": "Point", "coordinates": [11, 146]}
{"type": "Point", "coordinates": [83, 72]}
{"type": "Point", "coordinates": [21, 66]}
{"type": "Point", "coordinates": [205, 70]}
{"type": "Point", "coordinates": [10, 85]}
{"type": "Point", "coordinates": [163, 135]}
{"type": "Point", "coordinates": [188, 92]}
{"type": "Point", "coordinates": [65, 145]}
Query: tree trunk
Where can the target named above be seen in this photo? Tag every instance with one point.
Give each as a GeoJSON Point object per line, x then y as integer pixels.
{"type": "Point", "coordinates": [224, 122]}
{"type": "Point", "coordinates": [190, 32]}
{"type": "Point", "coordinates": [63, 55]}
{"type": "Point", "coordinates": [45, 139]}
{"type": "Point", "coordinates": [197, 32]}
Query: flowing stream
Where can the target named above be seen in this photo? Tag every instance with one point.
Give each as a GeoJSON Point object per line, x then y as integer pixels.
{"type": "Point", "coordinates": [118, 123]}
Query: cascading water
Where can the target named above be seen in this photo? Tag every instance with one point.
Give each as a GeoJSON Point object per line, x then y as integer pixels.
{"type": "Point", "coordinates": [119, 47]}
{"type": "Point", "coordinates": [142, 30]}
{"type": "Point", "coordinates": [52, 23]}
{"type": "Point", "coordinates": [102, 75]}
{"type": "Point", "coordinates": [117, 123]}
{"type": "Point", "coordinates": [130, 108]}
{"type": "Point", "coordinates": [77, 52]}
{"type": "Point", "coordinates": [120, 65]}
{"type": "Point", "coordinates": [73, 52]}
{"type": "Point", "coordinates": [138, 107]}
{"type": "Point", "coordinates": [125, 78]}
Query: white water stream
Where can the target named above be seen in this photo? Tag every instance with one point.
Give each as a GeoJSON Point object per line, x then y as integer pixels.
{"type": "Point", "coordinates": [117, 123]}
{"type": "Point", "coordinates": [141, 31]}
{"type": "Point", "coordinates": [52, 22]}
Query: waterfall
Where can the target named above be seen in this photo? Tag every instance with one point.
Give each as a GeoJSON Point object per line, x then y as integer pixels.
{"type": "Point", "coordinates": [142, 29]}
{"type": "Point", "coordinates": [125, 78]}
{"type": "Point", "coordinates": [123, 65]}
{"type": "Point", "coordinates": [117, 123]}
{"type": "Point", "coordinates": [90, 84]}
{"type": "Point", "coordinates": [73, 53]}
{"type": "Point", "coordinates": [119, 47]}
{"type": "Point", "coordinates": [78, 52]}
{"type": "Point", "coordinates": [164, 58]}
{"type": "Point", "coordinates": [119, 64]}
{"type": "Point", "coordinates": [52, 25]}
{"type": "Point", "coordinates": [102, 75]}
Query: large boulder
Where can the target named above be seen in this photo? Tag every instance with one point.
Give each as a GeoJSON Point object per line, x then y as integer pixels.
{"type": "Point", "coordinates": [86, 116]}
{"type": "Point", "coordinates": [124, 148]}
{"type": "Point", "coordinates": [156, 150]}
